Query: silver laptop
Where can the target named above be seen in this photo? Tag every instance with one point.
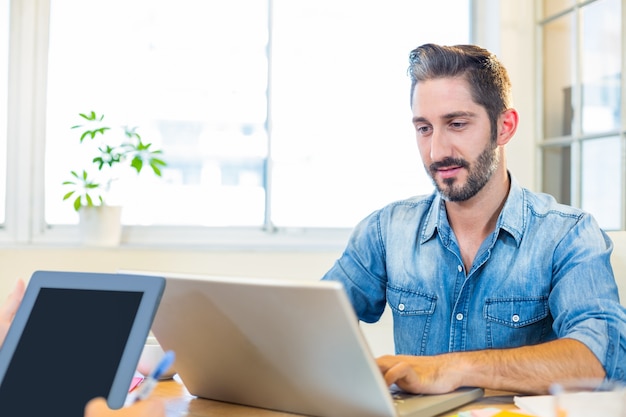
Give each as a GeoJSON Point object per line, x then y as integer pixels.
{"type": "Point", "coordinates": [285, 345]}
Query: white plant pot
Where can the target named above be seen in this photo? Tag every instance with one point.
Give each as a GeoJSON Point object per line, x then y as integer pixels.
{"type": "Point", "coordinates": [101, 225]}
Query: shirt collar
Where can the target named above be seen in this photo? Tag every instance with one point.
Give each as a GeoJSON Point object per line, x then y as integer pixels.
{"type": "Point", "coordinates": [512, 218]}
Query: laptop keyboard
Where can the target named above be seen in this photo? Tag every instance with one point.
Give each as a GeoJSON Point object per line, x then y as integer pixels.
{"type": "Point", "coordinates": [399, 396]}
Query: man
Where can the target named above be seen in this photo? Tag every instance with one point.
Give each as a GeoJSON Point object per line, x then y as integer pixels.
{"type": "Point", "coordinates": [489, 284]}
{"type": "Point", "coordinates": [97, 407]}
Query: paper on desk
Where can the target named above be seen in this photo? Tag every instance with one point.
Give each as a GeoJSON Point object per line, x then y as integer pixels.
{"type": "Point", "coordinates": [538, 405]}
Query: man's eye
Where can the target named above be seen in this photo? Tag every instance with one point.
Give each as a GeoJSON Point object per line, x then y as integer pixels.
{"type": "Point", "coordinates": [422, 130]}
{"type": "Point", "coordinates": [458, 125]}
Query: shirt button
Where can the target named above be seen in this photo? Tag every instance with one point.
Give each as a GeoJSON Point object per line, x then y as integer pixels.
{"type": "Point", "coordinates": [401, 307]}
{"type": "Point", "coordinates": [515, 318]}
{"type": "Point", "coordinates": [459, 316]}
{"type": "Point", "coordinates": [460, 268]}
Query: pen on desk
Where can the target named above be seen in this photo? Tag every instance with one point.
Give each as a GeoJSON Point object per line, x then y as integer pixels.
{"type": "Point", "coordinates": [148, 384]}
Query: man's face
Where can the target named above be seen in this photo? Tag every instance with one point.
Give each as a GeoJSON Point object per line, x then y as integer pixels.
{"type": "Point", "coordinates": [454, 137]}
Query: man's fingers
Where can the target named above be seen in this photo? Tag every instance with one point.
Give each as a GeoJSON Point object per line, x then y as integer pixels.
{"type": "Point", "coordinates": [7, 312]}
{"type": "Point", "coordinates": [399, 372]}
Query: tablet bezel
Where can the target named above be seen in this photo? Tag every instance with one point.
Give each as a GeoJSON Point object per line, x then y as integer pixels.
{"type": "Point", "coordinates": [152, 288]}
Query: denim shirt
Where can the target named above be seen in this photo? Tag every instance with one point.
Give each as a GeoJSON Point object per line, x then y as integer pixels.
{"type": "Point", "coordinates": [544, 273]}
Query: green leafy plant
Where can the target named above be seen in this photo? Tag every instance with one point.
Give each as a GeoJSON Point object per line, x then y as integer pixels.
{"type": "Point", "coordinates": [87, 189]}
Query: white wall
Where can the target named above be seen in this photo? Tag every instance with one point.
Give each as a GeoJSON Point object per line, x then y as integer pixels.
{"type": "Point", "coordinates": [22, 262]}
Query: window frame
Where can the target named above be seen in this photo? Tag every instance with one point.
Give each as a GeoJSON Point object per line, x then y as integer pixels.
{"type": "Point", "coordinates": [576, 138]}
{"type": "Point", "coordinates": [26, 119]}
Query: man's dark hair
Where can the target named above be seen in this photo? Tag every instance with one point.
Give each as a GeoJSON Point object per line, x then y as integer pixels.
{"type": "Point", "coordinates": [488, 79]}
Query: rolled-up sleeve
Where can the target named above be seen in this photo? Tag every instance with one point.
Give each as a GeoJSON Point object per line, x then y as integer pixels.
{"type": "Point", "coordinates": [585, 301]}
{"type": "Point", "coordinates": [361, 270]}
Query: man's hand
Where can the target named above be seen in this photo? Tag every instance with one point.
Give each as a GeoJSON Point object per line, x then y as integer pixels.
{"type": "Point", "coordinates": [419, 374]}
{"type": "Point", "coordinates": [9, 308]}
{"type": "Point", "coordinates": [151, 407]}
{"type": "Point", "coordinates": [526, 369]}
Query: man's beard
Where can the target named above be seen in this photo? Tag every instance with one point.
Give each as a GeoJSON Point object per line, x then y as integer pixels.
{"type": "Point", "coordinates": [478, 174]}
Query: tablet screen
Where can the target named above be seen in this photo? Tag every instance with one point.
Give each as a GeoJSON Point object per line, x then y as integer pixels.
{"type": "Point", "coordinates": [69, 351]}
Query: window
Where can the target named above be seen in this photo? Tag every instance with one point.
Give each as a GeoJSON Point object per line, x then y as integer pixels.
{"type": "Point", "coordinates": [583, 139]}
{"type": "Point", "coordinates": [192, 76]}
{"type": "Point", "coordinates": [272, 115]}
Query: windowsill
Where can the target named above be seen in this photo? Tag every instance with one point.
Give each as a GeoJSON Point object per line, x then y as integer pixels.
{"type": "Point", "coordinates": [197, 238]}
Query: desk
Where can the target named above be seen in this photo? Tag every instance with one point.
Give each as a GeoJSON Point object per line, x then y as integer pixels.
{"type": "Point", "coordinates": [183, 404]}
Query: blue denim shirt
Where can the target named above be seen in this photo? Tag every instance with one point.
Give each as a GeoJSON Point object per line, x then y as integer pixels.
{"type": "Point", "coordinates": [544, 273]}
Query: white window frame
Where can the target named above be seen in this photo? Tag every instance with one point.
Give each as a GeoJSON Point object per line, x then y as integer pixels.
{"type": "Point", "coordinates": [576, 138]}
{"type": "Point", "coordinates": [26, 119]}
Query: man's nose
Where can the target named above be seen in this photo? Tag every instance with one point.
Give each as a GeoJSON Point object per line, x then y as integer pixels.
{"type": "Point", "coordinates": [440, 146]}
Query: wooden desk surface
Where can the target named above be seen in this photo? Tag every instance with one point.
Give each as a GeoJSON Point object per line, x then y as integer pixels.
{"type": "Point", "coordinates": [182, 404]}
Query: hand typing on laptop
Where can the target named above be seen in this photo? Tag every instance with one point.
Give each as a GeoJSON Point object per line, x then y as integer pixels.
{"type": "Point", "coordinates": [98, 406]}
{"type": "Point", "coordinates": [446, 372]}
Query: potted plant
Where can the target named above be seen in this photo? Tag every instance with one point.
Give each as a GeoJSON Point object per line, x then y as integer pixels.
{"type": "Point", "coordinates": [91, 186]}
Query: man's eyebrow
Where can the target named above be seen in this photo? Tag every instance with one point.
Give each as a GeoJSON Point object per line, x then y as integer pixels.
{"type": "Point", "coordinates": [448, 116]}
{"type": "Point", "coordinates": [418, 119]}
{"type": "Point", "coordinates": [458, 114]}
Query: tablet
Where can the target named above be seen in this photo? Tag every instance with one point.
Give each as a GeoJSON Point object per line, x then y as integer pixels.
{"type": "Point", "coordinates": [75, 336]}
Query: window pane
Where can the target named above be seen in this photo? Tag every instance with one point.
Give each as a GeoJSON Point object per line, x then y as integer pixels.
{"type": "Point", "coordinates": [342, 140]}
{"type": "Point", "coordinates": [558, 54]}
{"type": "Point", "coordinates": [601, 62]}
{"type": "Point", "coordinates": [602, 180]}
{"type": "Point", "coordinates": [192, 76]}
{"type": "Point", "coordinates": [4, 81]}
{"type": "Point", "coordinates": [557, 177]}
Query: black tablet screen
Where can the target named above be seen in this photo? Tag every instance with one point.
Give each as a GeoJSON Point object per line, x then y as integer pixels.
{"type": "Point", "coordinates": [69, 351]}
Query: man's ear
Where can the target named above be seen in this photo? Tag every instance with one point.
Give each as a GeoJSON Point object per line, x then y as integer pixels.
{"type": "Point", "coordinates": [507, 125]}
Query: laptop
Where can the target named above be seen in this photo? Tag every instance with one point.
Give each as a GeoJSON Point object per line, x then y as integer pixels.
{"type": "Point", "coordinates": [75, 336]}
{"type": "Point", "coordinates": [286, 345]}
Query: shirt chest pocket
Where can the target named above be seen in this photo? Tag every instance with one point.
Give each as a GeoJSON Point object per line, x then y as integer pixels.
{"type": "Point", "coordinates": [513, 322]}
{"type": "Point", "coordinates": [410, 303]}
{"type": "Point", "coordinates": [412, 318]}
